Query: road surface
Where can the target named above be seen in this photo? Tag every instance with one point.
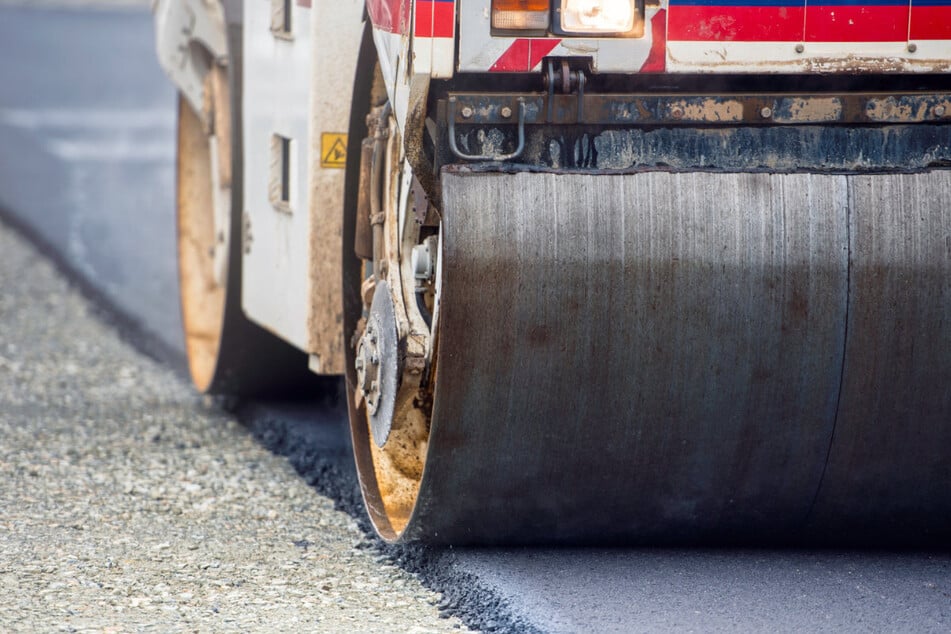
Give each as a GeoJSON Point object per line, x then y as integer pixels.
{"type": "Point", "coordinates": [129, 504]}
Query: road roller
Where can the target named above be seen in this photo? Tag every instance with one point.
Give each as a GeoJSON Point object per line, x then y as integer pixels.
{"type": "Point", "coordinates": [592, 271]}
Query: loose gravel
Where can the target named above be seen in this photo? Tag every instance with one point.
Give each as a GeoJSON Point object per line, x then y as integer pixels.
{"type": "Point", "coordinates": [128, 503]}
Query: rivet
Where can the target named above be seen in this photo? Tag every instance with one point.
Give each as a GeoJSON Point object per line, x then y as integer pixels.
{"type": "Point", "coordinates": [912, 47]}
{"type": "Point", "coordinates": [939, 111]}
{"type": "Point", "coordinates": [800, 48]}
{"type": "Point", "coordinates": [677, 112]}
{"type": "Point", "coordinates": [466, 112]}
{"type": "Point", "coordinates": [506, 112]}
{"type": "Point", "coordinates": [766, 112]}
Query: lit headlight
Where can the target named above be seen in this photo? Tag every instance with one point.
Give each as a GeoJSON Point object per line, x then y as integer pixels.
{"type": "Point", "coordinates": [597, 16]}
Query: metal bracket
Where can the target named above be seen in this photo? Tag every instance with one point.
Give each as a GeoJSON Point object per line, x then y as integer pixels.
{"type": "Point", "coordinates": [567, 81]}
{"type": "Point", "coordinates": [190, 35]}
{"type": "Point", "coordinates": [553, 107]}
{"type": "Point", "coordinates": [520, 147]}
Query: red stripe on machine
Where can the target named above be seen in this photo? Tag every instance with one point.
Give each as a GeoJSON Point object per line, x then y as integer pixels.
{"type": "Point", "coordinates": [523, 55]}
{"type": "Point", "coordinates": [840, 22]}
{"type": "Point", "coordinates": [656, 61]}
{"type": "Point", "coordinates": [435, 19]}
{"type": "Point", "coordinates": [735, 24]}
{"type": "Point", "coordinates": [846, 23]}
{"type": "Point", "coordinates": [391, 16]}
{"type": "Point", "coordinates": [303, 3]}
{"type": "Point", "coordinates": [930, 22]}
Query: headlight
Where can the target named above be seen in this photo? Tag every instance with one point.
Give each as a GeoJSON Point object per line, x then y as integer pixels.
{"type": "Point", "coordinates": [522, 15]}
{"type": "Point", "coordinates": [597, 16]}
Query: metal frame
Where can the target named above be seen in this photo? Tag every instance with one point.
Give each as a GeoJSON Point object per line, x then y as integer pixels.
{"type": "Point", "coordinates": [189, 35]}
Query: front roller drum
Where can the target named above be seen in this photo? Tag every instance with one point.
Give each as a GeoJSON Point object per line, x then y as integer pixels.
{"type": "Point", "coordinates": [680, 357]}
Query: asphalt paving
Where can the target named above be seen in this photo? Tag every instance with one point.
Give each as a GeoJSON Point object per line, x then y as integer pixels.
{"type": "Point", "coordinates": [132, 504]}
{"type": "Point", "coordinates": [98, 198]}
{"type": "Point", "coordinates": [88, 154]}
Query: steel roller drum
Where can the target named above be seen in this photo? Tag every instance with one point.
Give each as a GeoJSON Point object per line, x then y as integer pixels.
{"type": "Point", "coordinates": [686, 357]}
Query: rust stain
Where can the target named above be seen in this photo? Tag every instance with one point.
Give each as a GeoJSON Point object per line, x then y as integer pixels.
{"type": "Point", "coordinates": [538, 336]}
{"type": "Point", "coordinates": [906, 109]}
{"type": "Point", "coordinates": [798, 306]}
{"type": "Point", "coordinates": [325, 312]}
{"type": "Point", "coordinates": [854, 63]}
{"type": "Point", "coordinates": [818, 64]}
{"type": "Point", "coordinates": [710, 110]}
{"type": "Point", "coordinates": [809, 109]}
{"type": "Point", "coordinates": [891, 109]}
{"type": "Point", "coordinates": [399, 464]}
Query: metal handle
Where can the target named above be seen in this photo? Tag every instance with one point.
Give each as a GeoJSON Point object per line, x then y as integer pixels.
{"type": "Point", "coordinates": [486, 157]}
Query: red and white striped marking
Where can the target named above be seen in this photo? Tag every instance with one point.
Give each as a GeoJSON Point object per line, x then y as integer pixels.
{"type": "Point", "coordinates": [434, 33]}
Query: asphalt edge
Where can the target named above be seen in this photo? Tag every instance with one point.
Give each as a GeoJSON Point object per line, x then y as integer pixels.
{"type": "Point", "coordinates": [329, 471]}
{"type": "Point", "coordinates": [130, 329]}
{"type": "Point", "coordinates": [332, 474]}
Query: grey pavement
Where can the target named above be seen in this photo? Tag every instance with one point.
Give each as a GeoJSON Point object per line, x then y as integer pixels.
{"type": "Point", "coordinates": [129, 505]}
{"type": "Point", "coordinates": [101, 196]}
{"type": "Point", "coordinates": [87, 125]}
{"type": "Point", "coordinates": [731, 590]}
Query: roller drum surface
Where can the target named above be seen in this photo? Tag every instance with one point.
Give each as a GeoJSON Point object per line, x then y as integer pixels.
{"type": "Point", "coordinates": [684, 357]}
{"type": "Point", "coordinates": [889, 471]}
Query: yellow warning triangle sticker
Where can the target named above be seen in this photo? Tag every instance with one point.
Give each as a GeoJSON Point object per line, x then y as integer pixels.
{"type": "Point", "coordinates": [333, 150]}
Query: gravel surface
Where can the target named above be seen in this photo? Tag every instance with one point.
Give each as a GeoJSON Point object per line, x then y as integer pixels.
{"type": "Point", "coordinates": [128, 503]}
